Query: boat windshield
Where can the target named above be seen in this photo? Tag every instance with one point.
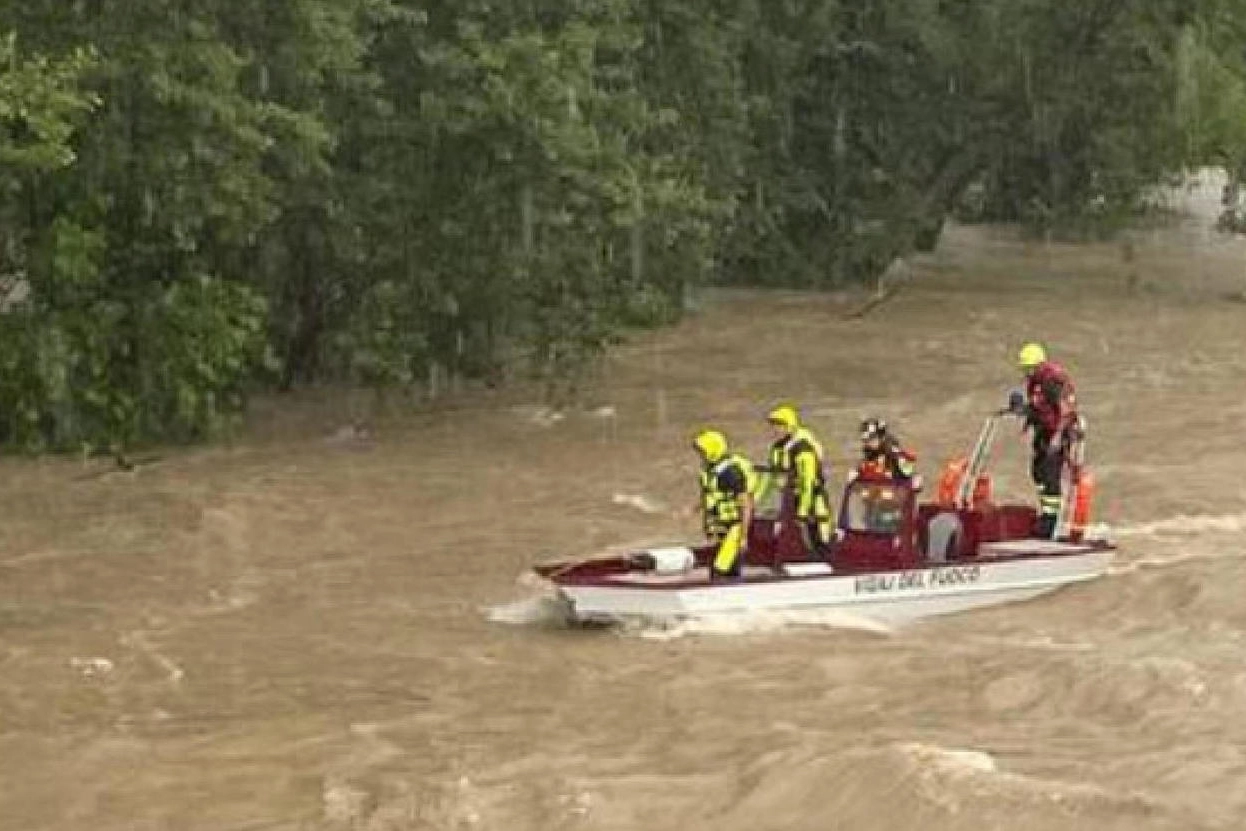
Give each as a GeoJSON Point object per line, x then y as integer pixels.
{"type": "Point", "coordinates": [876, 509]}
{"type": "Point", "coordinates": [769, 504]}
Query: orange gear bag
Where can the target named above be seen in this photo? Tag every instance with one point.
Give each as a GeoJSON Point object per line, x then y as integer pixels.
{"type": "Point", "coordinates": [950, 479]}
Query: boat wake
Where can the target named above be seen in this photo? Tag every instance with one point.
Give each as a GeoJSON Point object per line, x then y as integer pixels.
{"type": "Point", "coordinates": [549, 610]}
{"type": "Point", "coordinates": [1171, 561]}
{"type": "Point", "coordinates": [541, 610]}
{"type": "Point", "coordinates": [753, 623]}
{"type": "Point", "coordinates": [1183, 525]}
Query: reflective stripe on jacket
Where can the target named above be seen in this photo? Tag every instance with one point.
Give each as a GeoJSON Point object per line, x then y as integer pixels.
{"type": "Point", "coordinates": [720, 500]}
{"type": "Point", "coordinates": [797, 459]}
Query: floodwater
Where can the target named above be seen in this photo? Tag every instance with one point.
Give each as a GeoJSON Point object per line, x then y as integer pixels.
{"type": "Point", "coordinates": [312, 629]}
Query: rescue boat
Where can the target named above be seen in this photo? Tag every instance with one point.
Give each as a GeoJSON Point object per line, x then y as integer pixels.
{"type": "Point", "coordinates": [894, 559]}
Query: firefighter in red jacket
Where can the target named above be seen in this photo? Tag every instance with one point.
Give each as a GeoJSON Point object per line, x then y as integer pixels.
{"type": "Point", "coordinates": [883, 460]}
{"type": "Point", "coordinates": [1050, 410]}
{"type": "Point", "coordinates": [882, 455]}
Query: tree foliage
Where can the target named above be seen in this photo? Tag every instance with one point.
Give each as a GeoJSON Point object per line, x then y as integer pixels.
{"type": "Point", "coordinates": [199, 198]}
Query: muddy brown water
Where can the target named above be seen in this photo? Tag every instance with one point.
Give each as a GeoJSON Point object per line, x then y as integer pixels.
{"type": "Point", "coordinates": [293, 631]}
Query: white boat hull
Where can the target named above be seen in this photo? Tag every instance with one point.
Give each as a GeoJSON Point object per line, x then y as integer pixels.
{"type": "Point", "coordinates": [886, 597]}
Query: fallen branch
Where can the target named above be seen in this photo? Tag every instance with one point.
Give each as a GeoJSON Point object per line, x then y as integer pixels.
{"type": "Point", "coordinates": [889, 284]}
{"type": "Point", "coordinates": [121, 464]}
{"type": "Point", "coordinates": [879, 297]}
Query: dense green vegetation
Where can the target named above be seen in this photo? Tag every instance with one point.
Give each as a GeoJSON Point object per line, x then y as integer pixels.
{"type": "Point", "coordinates": [202, 198]}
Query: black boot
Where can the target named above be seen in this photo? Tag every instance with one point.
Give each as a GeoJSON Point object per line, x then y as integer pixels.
{"type": "Point", "coordinates": [1046, 526]}
{"type": "Point", "coordinates": [816, 548]}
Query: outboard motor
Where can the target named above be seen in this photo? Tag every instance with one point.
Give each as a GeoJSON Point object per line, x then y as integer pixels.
{"type": "Point", "coordinates": [943, 535]}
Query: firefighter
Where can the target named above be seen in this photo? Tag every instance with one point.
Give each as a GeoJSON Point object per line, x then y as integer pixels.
{"type": "Point", "coordinates": [727, 485]}
{"type": "Point", "coordinates": [1049, 408]}
{"type": "Point", "coordinates": [883, 459]}
{"type": "Point", "coordinates": [882, 455]}
{"type": "Point", "coordinates": [796, 462]}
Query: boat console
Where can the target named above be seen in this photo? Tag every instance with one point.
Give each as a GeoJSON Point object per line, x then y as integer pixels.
{"type": "Point", "coordinates": [881, 525]}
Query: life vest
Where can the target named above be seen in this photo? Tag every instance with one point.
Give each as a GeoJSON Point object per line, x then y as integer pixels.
{"type": "Point", "coordinates": [783, 455]}
{"type": "Point", "coordinates": [1051, 398]}
{"type": "Point", "coordinates": [721, 505]}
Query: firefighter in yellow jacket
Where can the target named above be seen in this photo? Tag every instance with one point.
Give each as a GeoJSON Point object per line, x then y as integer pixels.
{"type": "Point", "coordinates": [796, 462]}
{"type": "Point", "coordinates": [727, 486]}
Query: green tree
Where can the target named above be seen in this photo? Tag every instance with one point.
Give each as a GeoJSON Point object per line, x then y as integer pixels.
{"type": "Point", "coordinates": [123, 246]}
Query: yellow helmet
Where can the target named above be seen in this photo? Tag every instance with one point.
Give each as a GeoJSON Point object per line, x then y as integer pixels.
{"type": "Point", "coordinates": [784, 415]}
{"type": "Point", "coordinates": [1031, 355]}
{"type": "Point", "coordinates": [711, 444]}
